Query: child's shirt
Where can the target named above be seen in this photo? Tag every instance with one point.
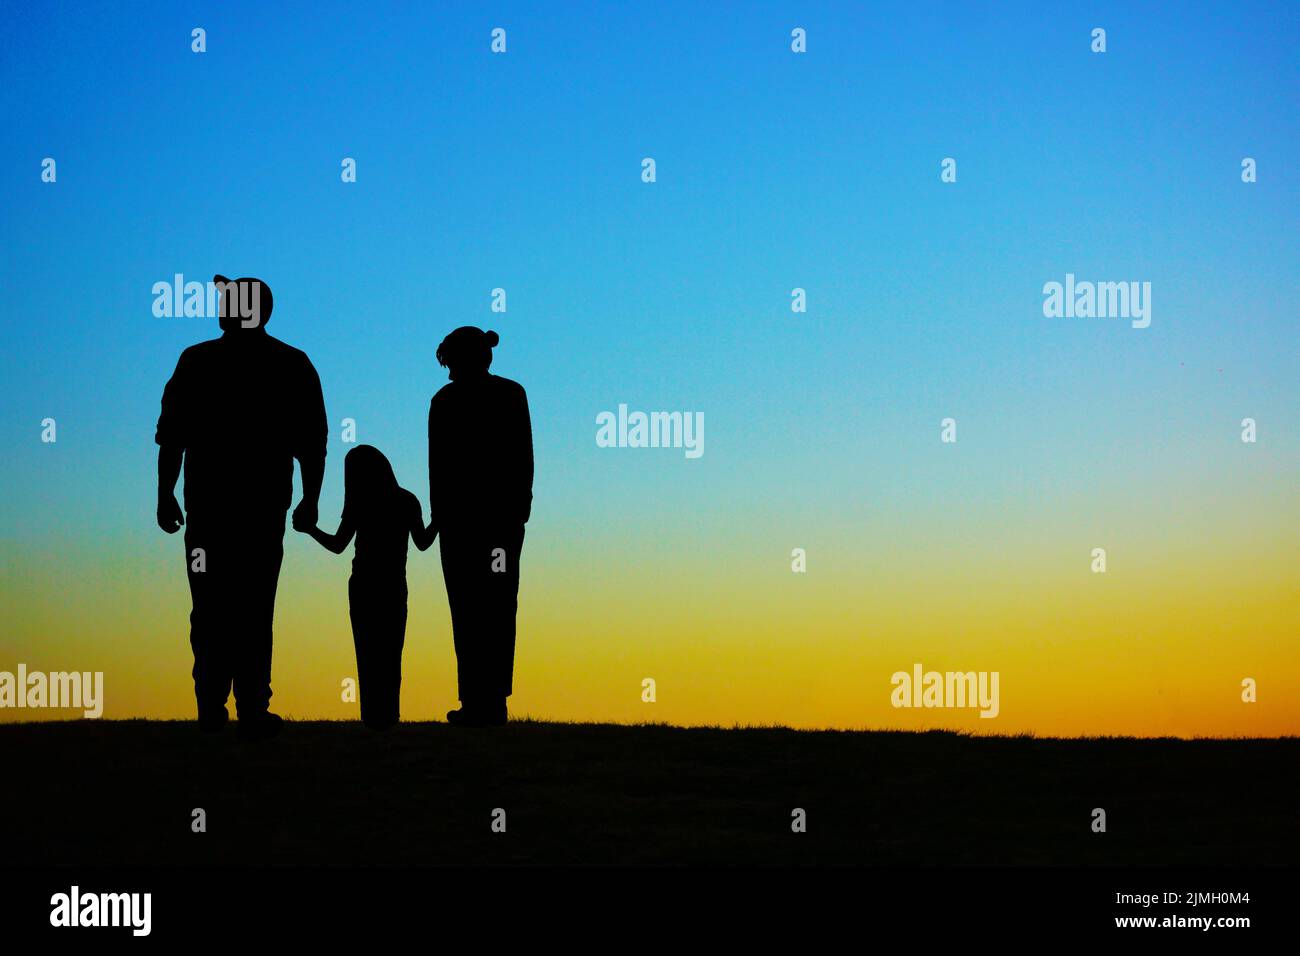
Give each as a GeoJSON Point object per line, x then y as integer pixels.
{"type": "Point", "coordinates": [382, 534]}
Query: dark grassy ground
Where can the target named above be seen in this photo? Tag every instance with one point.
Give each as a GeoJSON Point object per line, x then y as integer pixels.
{"type": "Point", "coordinates": [122, 792]}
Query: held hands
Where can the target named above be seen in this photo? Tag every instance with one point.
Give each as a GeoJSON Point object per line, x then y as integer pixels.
{"type": "Point", "coordinates": [305, 516]}
{"type": "Point", "coordinates": [170, 516]}
{"type": "Point", "coordinates": [423, 535]}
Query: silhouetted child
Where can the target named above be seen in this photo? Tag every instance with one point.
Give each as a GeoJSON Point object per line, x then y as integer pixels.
{"type": "Point", "coordinates": [381, 514]}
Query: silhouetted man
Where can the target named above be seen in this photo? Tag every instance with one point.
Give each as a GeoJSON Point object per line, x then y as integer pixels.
{"type": "Point", "coordinates": [480, 496]}
{"type": "Point", "coordinates": [238, 410]}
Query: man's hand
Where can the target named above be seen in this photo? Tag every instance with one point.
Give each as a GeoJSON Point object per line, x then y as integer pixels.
{"type": "Point", "coordinates": [305, 516]}
{"type": "Point", "coordinates": [170, 516]}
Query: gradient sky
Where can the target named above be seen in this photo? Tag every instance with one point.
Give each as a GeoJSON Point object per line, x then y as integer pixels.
{"type": "Point", "coordinates": [775, 170]}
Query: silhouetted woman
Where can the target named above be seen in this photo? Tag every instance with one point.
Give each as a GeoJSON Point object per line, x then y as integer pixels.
{"type": "Point", "coordinates": [382, 515]}
{"type": "Point", "coordinates": [480, 495]}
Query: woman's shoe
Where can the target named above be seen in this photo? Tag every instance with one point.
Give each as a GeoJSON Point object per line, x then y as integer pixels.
{"type": "Point", "coordinates": [461, 718]}
{"type": "Point", "coordinates": [262, 727]}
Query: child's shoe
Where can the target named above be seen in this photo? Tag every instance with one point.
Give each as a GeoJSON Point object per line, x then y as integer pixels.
{"type": "Point", "coordinates": [213, 721]}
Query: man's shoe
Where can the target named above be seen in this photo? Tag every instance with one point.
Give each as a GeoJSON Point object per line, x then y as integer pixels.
{"type": "Point", "coordinates": [477, 715]}
{"type": "Point", "coordinates": [213, 721]}
{"type": "Point", "coordinates": [494, 714]}
{"type": "Point", "coordinates": [263, 726]}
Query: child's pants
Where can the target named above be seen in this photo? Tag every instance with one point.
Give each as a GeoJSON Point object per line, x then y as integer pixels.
{"type": "Point", "coordinates": [378, 612]}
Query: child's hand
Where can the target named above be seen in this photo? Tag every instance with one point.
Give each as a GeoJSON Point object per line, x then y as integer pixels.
{"type": "Point", "coordinates": [302, 523]}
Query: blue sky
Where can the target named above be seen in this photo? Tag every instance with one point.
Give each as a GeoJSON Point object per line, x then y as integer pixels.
{"type": "Point", "coordinates": [774, 171]}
